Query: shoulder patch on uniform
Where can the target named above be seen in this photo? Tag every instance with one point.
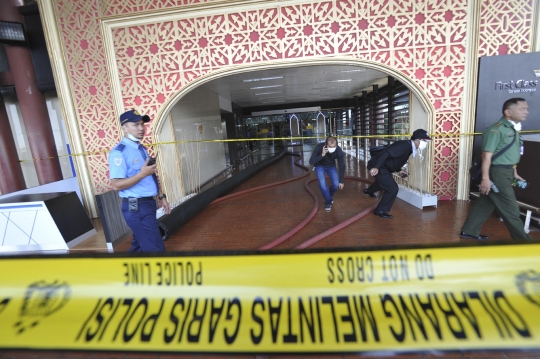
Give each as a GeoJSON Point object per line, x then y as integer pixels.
{"type": "Point", "coordinates": [120, 147]}
{"type": "Point", "coordinates": [118, 161]}
{"type": "Point", "coordinates": [498, 124]}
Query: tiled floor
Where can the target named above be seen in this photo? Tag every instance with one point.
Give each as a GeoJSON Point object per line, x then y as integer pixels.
{"type": "Point", "coordinates": [255, 219]}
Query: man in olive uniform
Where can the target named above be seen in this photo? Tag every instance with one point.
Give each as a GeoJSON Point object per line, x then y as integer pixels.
{"type": "Point", "coordinates": [501, 172]}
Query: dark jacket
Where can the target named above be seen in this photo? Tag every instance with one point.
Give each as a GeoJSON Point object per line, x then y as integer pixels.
{"type": "Point", "coordinates": [392, 158]}
{"type": "Point", "coordinates": [329, 160]}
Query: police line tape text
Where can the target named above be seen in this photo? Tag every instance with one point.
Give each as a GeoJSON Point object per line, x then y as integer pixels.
{"type": "Point", "coordinates": [324, 319]}
{"type": "Point", "coordinates": [162, 273]}
{"type": "Point", "coordinates": [393, 268]}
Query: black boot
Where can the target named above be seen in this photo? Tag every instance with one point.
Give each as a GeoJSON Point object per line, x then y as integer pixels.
{"type": "Point", "coordinates": [374, 195]}
{"type": "Point", "coordinates": [382, 214]}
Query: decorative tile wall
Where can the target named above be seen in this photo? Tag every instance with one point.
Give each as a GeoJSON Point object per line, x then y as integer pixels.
{"type": "Point", "coordinates": [423, 39]}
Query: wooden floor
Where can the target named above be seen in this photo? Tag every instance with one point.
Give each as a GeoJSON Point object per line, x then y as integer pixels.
{"type": "Point", "coordinates": [96, 243]}
{"type": "Point", "coordinates": [252, 220]}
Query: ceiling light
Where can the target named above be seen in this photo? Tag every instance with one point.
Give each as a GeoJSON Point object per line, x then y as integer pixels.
{"type": "Point", "coordinates": [326, 88]}
{"type": "Point", "coordinates": [264, 87]}
{"type": "Point", "coordinates": [345, 80]}
{"type": "Point", "coordinates": [337, 72]}
{"type": "Point", "coordinates": [268, 98]}
{"type": "Point", "coordinates": [263, 79]}
{"type": "Point", "coordinates": [268, 93]}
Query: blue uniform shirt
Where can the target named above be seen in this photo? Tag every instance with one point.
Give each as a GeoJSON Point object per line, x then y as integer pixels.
{"type": "Point", "coordinates": [127, 162]}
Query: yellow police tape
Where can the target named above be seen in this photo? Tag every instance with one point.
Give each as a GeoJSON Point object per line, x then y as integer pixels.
{"type": "Point", "coordinates": [301, 138]}
{"type": "Point", "coordinates": [483, 297]}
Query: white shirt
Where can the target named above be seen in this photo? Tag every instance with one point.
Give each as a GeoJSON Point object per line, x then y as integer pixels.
{"type": "Point", "coordinates": [413, 149]}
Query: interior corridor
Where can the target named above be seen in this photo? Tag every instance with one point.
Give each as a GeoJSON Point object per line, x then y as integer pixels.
{"type": "Point", "coordinates": [252, 220]}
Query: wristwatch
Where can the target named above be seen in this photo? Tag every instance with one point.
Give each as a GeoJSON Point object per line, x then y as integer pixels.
{"type": "Point", "coordinates": [162, 196]}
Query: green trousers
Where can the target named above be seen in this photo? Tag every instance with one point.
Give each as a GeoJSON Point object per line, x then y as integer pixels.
{"type": "Point", "coordinates": [505, 202]}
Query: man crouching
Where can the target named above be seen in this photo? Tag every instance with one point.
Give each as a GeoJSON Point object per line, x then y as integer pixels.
{"type": "Point", "coordinates": [324, 159]}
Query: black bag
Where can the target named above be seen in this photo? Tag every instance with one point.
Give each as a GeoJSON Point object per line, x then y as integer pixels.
{"type": "Point", "coordinates": [375, 152]}
{"type": "Point", "coordinates": [476, 167]}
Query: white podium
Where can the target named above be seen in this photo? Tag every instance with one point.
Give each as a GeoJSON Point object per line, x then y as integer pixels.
{"type": "Point", "coordinates": [43, 222]}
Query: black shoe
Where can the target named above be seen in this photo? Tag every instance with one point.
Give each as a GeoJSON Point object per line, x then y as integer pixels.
{"type": "Point", "coordinates": [470, 236]}
{"type": "Point", "coordinates": [374, 195]}
{"type": "Point", "coordinates": [382, 214]}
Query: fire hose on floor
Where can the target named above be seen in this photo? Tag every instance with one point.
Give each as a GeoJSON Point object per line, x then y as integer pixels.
{"type": "Point", "coordinates": [312, 214]}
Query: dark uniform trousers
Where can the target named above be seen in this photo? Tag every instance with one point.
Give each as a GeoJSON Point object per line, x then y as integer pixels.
{"type": "Point", "coordinates": [385, 180]}
{"type": "Point", "coordinates": [144, 224]}
{"type": "Point", "coordinates": [505, 202]}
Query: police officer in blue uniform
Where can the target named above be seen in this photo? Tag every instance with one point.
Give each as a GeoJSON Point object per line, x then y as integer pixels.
{"type": "Point", "coordinates": [135, 180]}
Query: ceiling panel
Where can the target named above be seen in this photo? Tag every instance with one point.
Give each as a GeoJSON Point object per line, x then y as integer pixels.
{"type": "Point", "coordinates": [296, 84]}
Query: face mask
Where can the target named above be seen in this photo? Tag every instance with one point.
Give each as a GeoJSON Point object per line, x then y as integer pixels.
{"type": "Point", "coordinates": [331, 149]}
{"type": "Point", "coordinates": [131, 137]}
{"type": "Point", "coordinates": [517, 125]}
{"type": "Point", "coordinates": [422, 145]}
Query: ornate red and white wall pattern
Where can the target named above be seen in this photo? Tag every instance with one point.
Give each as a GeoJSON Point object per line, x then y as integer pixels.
{"type": "Point", "coordinates": [423, 39]}
{"type": "Point", "coordinates": [505, 27]}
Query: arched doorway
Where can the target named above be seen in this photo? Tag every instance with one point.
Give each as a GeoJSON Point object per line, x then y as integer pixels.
{"type": "Point", "coordinates": [174, 160]}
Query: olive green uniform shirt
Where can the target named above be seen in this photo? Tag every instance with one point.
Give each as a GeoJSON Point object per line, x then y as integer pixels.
{"type": "Point", "coordinates": [498, 136]}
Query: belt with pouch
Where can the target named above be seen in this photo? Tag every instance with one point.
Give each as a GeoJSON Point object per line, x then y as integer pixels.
{"type": "Point", "coordinates": [140, 199]}
{"type": "Point", "coordinates": [503, 166]}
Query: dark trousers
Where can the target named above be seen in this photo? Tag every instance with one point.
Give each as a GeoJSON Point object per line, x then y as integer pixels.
{"type": "Point", "coordinates": [144, 224]}
{"type": "Point", "coordinates": [505, 202]}
{"type": "Point", "coordinates": [385, 181]}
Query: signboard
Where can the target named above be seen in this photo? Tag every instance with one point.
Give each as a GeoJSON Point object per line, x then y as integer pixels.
{"type": "Point", "coordinates": [502, 78]}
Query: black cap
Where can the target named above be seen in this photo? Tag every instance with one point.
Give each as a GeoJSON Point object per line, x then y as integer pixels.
{"type": "Point", "coordinates": [133, 116]}
{"type": "Point", "coordinates": [420, 134]}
